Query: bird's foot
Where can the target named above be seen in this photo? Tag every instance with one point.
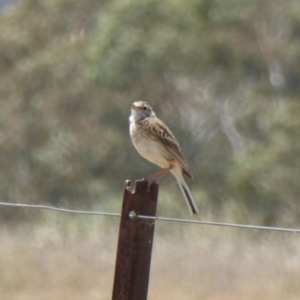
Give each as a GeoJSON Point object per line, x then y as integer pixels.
{"type": "Point", "coordinates": [150, 182]}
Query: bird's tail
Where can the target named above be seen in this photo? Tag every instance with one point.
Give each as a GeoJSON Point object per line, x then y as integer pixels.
{"type": "Point", "coordinates": [188, 196]}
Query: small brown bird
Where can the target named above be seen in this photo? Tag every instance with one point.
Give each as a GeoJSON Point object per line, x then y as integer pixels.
{"type": "Point", "coordinates": [155, 142]}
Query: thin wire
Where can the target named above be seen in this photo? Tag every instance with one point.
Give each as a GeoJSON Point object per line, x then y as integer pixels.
{"type": "Point", "coordinates": [65, 210]}
{"type": "Point", "coordinates": [109, 214]}
{"type": "Point", "coordinates": [218, 223]}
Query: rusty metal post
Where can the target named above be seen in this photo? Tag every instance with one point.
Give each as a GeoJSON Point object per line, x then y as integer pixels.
{"type": "Point", "coordinates": [135, 243]}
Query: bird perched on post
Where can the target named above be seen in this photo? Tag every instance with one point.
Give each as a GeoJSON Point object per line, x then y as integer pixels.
{"type": "Point", "coordinates": [155, 142]}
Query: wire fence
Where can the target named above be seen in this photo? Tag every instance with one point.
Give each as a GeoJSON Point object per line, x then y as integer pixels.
{"type": "Point", "coordinates": [133, 215]}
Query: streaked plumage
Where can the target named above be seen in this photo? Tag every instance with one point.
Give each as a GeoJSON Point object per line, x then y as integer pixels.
{"type": "Point", "coordinates": [155, 142]}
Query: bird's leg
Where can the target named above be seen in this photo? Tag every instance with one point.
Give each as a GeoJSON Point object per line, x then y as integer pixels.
{"type": "Point", "coordinates": [158, 175]}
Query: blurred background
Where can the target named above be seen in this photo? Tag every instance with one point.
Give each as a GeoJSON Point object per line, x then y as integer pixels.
{"type": "Point", "coordinates": [223, 74]}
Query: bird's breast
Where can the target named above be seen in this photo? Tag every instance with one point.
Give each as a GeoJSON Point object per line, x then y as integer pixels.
{"type": "Point", "coordinates": [147, 147]}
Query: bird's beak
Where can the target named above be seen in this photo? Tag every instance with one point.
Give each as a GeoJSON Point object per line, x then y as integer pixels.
{"type": "Point", "coordinates": [132, 106]}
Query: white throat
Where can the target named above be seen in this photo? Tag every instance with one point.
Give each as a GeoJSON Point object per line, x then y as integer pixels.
{"type": "Point", "coordinates": [135, 116]}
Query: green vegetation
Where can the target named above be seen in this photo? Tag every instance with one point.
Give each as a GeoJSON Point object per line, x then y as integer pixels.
{"type": "Point", "coordinates": [223, 74]}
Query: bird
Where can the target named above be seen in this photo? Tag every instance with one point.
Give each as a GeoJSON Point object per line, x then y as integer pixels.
{"type": "Point", "coordinates": [155, 142]}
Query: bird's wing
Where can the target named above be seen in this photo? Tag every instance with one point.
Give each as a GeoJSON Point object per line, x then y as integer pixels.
{"type": "Point", "coordinates": [159, 131]}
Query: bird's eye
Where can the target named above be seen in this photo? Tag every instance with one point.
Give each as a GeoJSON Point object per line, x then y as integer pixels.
{"type": "Point", "coordinates": [145, 108]}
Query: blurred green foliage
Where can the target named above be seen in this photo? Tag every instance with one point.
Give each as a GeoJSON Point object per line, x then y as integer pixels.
{"type": "Point", "coordinates": [224, 75]}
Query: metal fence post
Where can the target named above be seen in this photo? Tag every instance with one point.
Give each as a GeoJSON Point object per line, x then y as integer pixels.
{"type": "Point", "coordinates": [135, 243]}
